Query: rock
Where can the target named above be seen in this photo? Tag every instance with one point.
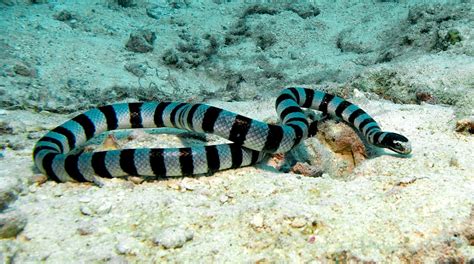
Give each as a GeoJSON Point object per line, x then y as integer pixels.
{"type": "Point", "coordinates": [63, 16]}
{"type": "Point", "coordinates": [9, 188]}
{"type": "Point", "coordinates": [24, 70]}
{"type": "Point", "coordinates": [298, 222]}
{"type": "Point", "coordinates": [126, 3]}
{"type": "Point", "coordinates": [173, 237]}
{"type": "Point", "coordinates": [304, 10]}
{"type": "Point", "coordinates": [257, 221]}
{"type": "Point", "coordinates": [136, 180]}
{"type": "Point", "coordinates": [141, 41]}
{"type": "Point", "coordinates": [86, 228]}
{"type": "Point", "coordinates": [117, 260]}
{"type": "Point", "coordinates": [84, 199]}
{"type": "Point", "coordinates": [104, 209]}
{"type": "Point", "coordinates": [11, 224]}
{"type": "Point", "coordinates": [86, 210]}
{"type": "Point", "coordinates": [136, 69]}
{"type": "Point", "coordinates": [223, 198]}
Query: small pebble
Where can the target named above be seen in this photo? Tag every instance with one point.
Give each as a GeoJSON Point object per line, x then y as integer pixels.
{"type": "Point", "coordinates": [127, 246]}
{"type": "Point", "coordinates": [257, 221]}
{"type": "Point", "coordinates": [86, 210]}
{"type": "Point", "coordinates": [136, 180]}
{"type": "Point", "coordinates": [84, 199]}
{"type": "Point", "coordinates": [223, 198]}
{"type": "Point", "coordinates": [453, 162]}
{"type": "Point", "coordinates": [32, 188]}
{"type": "Point", "coordinates": [11, 224]}
{"type": "Point", "coordinates": [173, 237]}
{"type": "Point", "coordinates": [86, 229]}
{"type": "Point", "coordinates": [298, 222]}
{"type": "Point", "coordinates": [58, 193]}
{"type": "Point", "coordinates": [39, 178]}
{"type": "Point", "coordinates": [104, 209]}
{"type": "Point", "coordinates": [9, 188]}
{"type": "Point", "coordinates": [24, 70]}
{"type": "Point", "coordinates": [123, 248]}
{"type": "Point", "coordinates": [188, 184]}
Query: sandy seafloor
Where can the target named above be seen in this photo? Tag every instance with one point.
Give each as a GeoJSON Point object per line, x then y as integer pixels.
{"type": "Point", "coordinates": [409, 64]}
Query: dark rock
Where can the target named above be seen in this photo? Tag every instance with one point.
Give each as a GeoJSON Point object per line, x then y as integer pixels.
{"type": "Point", "coordinates": [141, 41]}
{"type": "Point", "coordinates": [304, 10]}
{"type": "Point", "coordinates": [11, 224]}
{"type": "Point", "coordinates": [126, 3]}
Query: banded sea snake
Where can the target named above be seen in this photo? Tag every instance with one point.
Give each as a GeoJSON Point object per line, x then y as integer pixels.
{"type": "Point", "coordinates": [251, 138]}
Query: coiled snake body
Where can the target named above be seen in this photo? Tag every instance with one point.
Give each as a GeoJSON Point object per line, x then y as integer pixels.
{"type": "Point", "coordinates": [251, 138]}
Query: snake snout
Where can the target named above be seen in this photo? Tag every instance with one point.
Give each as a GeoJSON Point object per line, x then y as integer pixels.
{"type": "Point", "coordinates": [397, 143]}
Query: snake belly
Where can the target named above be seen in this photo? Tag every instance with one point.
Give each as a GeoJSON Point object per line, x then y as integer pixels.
{"type": "Point", "coordinates": [251, 139]}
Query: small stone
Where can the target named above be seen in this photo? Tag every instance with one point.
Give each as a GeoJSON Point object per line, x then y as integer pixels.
{"type": "Point", "coordinates": [104, 209]}
{"type": "Point", "coordinates": [117, 260]}
{"type": "Point", "coordinates": [173, 185]}
{"type": "Point", "coordinates": [32, 188]}
{"type": "Point", "coordinates": [63, 16]}
{"type": "Point", "coordinates": [58, 193]}
{"type": "Point", "coordinates": [127, 246]}
{"type": "Point", "coordinates": [136, 180]}
{"type": "Point", "coordinates": [173, 237]}
{"type": "Point", "coordinates": [298, 222]}
{"type": "Point", "coordinates": [122, 248]}
{"type": "Point", "coordinates": [84, 199]}
{"type": "Point", "coordinates": [86, 229]}
{"type": "Point", "coordinates": [11, 224]}
{"type": "Point", "coordinates": [86, 210]}
{"type": "Point", "coordinates": [188, 184]}
{"type": "Point", "coordinates": [39, 179]}
{"type": "Point", "coordinates": [23, 70]}
{"type": "Point", "coordinates": [9, 188]}
{"type": "Point", "coordinates": [257, 221]}
{"type": "Point", "coordinates": [223, 198]}
{"type": "Point", "coordinates": [136, 69]}
{"type": "Point", "coordinates": [141, 41]}
{"type": "Point", "coordinates": [454, 162]}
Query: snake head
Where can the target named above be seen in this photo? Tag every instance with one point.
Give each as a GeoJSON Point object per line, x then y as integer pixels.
{"type": "Point", "coordinates": [397, 143]}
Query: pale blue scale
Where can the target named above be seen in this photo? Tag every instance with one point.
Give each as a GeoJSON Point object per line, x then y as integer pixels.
{"type": "Point", "coordinates": [288, 139]}
{"type": "Point", "coordinates": [112, 162]}
{"type": "Point", "coordinates": [257, 135]}
{"type": "Point", "coordinates": [59, 168]}
{"type": "Point", "coordinates": [199, 160]}
{"type": "Point", "coordinates": [317, 99]}
{"type": "Point", "coordinates": [285, 104]}
{"type": "Point", "coordinates": [301, 95]}
{"type": "Point", "coordinates": [167, 114]}
{"type": "Point", "coordinates": [369, 125]}
{"type": "Point", "coordinates": [77, 130]}
{"type": "Point", "coordinates": [148, 113]}
{"type": "Point", "coordinates": [359, 119]}
{"type": "Point", "coordinates": [333, 104]}
{"type": "Point", "coordinates": [198, 117]}
{"type": "Point", "coordinates": [85, 166]}
{"type": "Point", "coordinates": [224, 123]}
{"type": "Point", "coordinates": [348, 111]}
{"type": "Point", "coordinates": [225, 156]}
{"type": "Point", "coordinates": [142, 161]}
{"type": "Point", "coordinates": [123, 115]}
{"type": "Point", "coordinates": [99, 120]}
{"type": "Point", "coordinates": [171, 159]}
